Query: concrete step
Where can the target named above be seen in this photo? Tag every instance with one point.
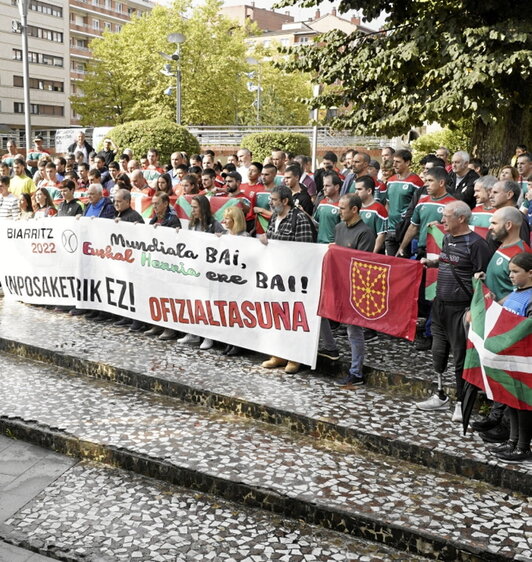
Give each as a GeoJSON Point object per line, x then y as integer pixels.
{"type": "Point", "coordinates": [382, 419]}
{"type": "Point", "coordinates": [383, 499]}
{"type": "Point", "coordinates": [98, 512]}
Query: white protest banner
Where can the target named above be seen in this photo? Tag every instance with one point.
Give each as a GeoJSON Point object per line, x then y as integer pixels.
{"type": "Point", "coordinates": [231, 289]}
{"type": "Point", "coordinates": [39, 261]}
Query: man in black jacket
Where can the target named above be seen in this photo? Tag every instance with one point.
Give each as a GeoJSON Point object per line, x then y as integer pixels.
{"type": "Point", "coordinates": [461, 182]}
{"type": "Point", "coordinates": [81, 145]}
{"type": "Point", "coordinates": [123, 210]}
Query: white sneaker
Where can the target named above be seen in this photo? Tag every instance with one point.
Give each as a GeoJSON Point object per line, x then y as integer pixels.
{"type": "Point", "coordinates": [457, 414]}
{"type": "Point", "coordinates": [433, 403]}
{"type": "Point", "coordinates": [189, 338]}
{"type": "Point", "coordinates": [206, 344]}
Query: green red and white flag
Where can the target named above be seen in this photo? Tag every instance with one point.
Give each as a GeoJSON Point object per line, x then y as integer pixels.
{"type": "Point", "coordinates": [435, 234]}
{"type": "Point", "coordinates": [498, 356]}
{"type": "Point", "coordinates": [218, 206]}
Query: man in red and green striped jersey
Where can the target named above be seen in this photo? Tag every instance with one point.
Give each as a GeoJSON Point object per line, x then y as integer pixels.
{"type": "Point", "coordinates": [327, 214]}
{"type": "Point", "coordinates": [428, 210]}
{"type": "Point", "coordinates": [481, 214]}
{"type": "Point", "coordinates": [505, 225]}
{"type": "Point", "coordinates": [373, 213]}
{"type": "Point", "coordinates": [401, 187]}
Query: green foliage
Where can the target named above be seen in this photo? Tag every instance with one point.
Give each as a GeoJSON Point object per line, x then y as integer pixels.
{"type": "Point", "coordinates": [159, 133]}
{"type": "Point", "coordinates": [124, 80]}
{"type": "Point", "coordinates": [437, 62]}
{"type": "Point", "coordinates": [262, 144]}
{"type": "Point", "coordinates": [454, 140]}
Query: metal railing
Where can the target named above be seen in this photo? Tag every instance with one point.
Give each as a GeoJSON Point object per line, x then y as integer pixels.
{"type": "Point", "coordinates": [232, 136]}
{"type": "Point", "coordinates": [225, 136]}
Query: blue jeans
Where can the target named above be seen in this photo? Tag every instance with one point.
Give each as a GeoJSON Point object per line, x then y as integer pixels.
{"type": "Point", "coordinates": [355, 335]}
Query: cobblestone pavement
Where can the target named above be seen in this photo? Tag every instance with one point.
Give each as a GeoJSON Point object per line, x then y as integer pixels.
{"type": "Point", "coordinates": [375, 411]}
{"type": "Point", "coordinates": [266, 457]}
{"type": "Point", "coordinates": [101, 513]}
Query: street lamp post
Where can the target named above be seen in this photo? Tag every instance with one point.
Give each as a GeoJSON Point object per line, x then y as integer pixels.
{"type": "Point", "coordinates": [178, 39]}
{"type": "Point", "coordinates": [253, 61]}
{"type": "Point", "coordinates": [316, 89]}
{"type": "Point", "coordinates": [23, 10]}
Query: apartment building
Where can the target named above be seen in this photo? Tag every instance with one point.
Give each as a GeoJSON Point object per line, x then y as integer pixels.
{"type": "Point", "coordinates": [302, 32]}
{"type": "Point", "coordinates": [59, 32]}
{"type": "Point", "coordinates": [48, 61]}
{"type": "Point", "coordinates": [267, 20]}
{"type": "Point", "coordinates": [88, 19]}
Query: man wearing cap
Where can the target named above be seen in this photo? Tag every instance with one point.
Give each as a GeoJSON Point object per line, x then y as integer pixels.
{"type": "Point", "coordinates": [35, 153]}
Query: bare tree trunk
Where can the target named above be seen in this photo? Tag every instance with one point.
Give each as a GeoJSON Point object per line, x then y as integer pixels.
{"type": "Point", "coordinates": [495, 144]}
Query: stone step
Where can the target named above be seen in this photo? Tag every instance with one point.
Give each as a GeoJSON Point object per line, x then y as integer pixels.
{"type": "Point", "coordinates": [98, 512]}
{"type": "Point", "coordinates": [390, 362]}
{"type": "Point", "coordinates": [383, 420]}
{"type": "Point", "coordinates": [337, 486]}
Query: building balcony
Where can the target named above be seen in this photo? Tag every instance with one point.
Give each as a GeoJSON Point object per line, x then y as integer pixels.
{"type": "Point", "coordinates": [82, 52]}
{"type": "Point", "coordinates": [86, 30]}
{"type": "Point", "coordinates": [77, 75]}
{"type": "Point", "coordinates": [88, 7]}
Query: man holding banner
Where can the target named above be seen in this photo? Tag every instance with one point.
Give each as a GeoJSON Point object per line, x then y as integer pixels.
{"type": "Point", "coordinates": [287, 223]}
{"type": "Point", "coordinates": [352, 233]}
{"type": "Point", "coordinates": [463, 254]}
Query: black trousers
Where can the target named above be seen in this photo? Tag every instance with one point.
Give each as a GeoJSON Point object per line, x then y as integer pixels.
{"type": "Point", "coordinates": [448, 334]}
{"type": "Point", "coordinates": [521, 427]}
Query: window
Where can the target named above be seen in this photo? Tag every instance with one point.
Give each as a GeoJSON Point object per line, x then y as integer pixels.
{"type": "Point", "coordinates": [41, 109]}
{"type": "Point", "coordinates": [96, 24]}
{"type": "Point", "coordinates": [118, 27]}
{"type": "Point", "coordinates": [39, 58]}
{"type": "Point", "coordinates": [119, 7]}
{"type": "Point", "coordinates": [108, 4]}
{"type": "Point", "coordinates": [47, 34]}
{"type": "Point", "coordinates": [107, 25]}
{"type": "Point", "coordinates": [40, 84]}
{"type": "Point", "coordinates": [43, 8]}
{"type": "Point", "coordinates": [285, 42]}
{"type": "Point", "coordinates": [78, 67]}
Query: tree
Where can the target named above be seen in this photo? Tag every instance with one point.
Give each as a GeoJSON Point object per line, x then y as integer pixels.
{"type": "Point", "coordinates": [442, 61]}
{"type": "Point", "coordinates": [124, 82]}
{"type": "Point", "coordinates": [125, 72]}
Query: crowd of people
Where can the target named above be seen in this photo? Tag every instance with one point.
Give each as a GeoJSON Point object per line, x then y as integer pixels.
{"type": "Point", "coordinates": [354, 201]}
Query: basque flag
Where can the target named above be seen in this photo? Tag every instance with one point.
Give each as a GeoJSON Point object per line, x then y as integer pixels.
{"type": "Point", "coordinates": [498, 351]}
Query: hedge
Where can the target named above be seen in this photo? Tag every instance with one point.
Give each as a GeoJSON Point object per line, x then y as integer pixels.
{"type": "Point", "coordinates": [261, 144]}
{"type": "Point", "coordinates": [429, 143]}
{"type": "Point", "coordinates": [164, 135]}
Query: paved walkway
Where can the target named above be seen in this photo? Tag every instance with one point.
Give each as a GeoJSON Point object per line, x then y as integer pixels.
{"type": "Point", "coordinates": [25, 470]}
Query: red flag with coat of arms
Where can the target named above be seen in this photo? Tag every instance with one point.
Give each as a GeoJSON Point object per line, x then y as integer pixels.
{"type": "Point", "coordinates": [371, 290]}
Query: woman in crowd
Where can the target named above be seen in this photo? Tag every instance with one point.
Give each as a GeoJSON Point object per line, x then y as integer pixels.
{"type": "Point", "coordinates": [235, 224]}
{"type": "Point", "coordinates": [164, 183]}
{"type": "Point", "coordinates": [201, 220]}
{"type": "Point", "coordinates": [508, 173]}
{"type": "Point", "coordinates": [44, 206]}
{"type": "Point", "coordinates": [123, 182]}
{"type": "Point", "coordinates": [234, 221]}
{"type": "Point", "coordinates": [25, 206]}
{"type": "Point", "coordinates": [517, 448]}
